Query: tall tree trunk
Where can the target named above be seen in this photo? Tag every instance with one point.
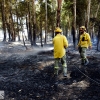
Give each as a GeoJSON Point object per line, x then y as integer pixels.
{"type": "Point", "coordinates": [74, 24]}
{"type": "Point", "coordinates": [58, 12]}
{"type": "Point", "coordinates": [12, 27]}
{"type": "Point", "coordinates": [41, 32]}
{"type": "Point", "coordinates": [3, 19]}
{"type": "Point", "coordinates": [18, 31]}
{"type": "Point", "coordinates": [17, 23]}
{"type": "Point", "coordinates": [30, 26]}
{"type": "Point", "coordinates": [27, 26]}
{"type": "Point", "coordinates": [53, 3]}
{"type": "Point", "coordinates": [88, 15]}
{"type": "Point", "coordinates": [34, 23]}
{"type": "Point", "coordinates": [95, 17]}
{"type": "Point", "coordinates": [45, 22]}
{"type": "Point", "coordinates": [41, 26]}
{"type": "Point", "coordinates": [10, 23]}
{"type": "Point", "coordinates": [98, 39]}
{"type": "Point", "coordinates": [28, 21]}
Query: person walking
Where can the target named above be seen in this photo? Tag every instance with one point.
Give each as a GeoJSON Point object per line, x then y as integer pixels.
{"type": "Point", "coordinates": [60, 44]}
{"type": "Point", "coordinates": [83, 44]}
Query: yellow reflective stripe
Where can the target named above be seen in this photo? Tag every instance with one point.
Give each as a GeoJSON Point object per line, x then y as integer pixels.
{"type": "Point", "coordinates": [56, 67]}
{"type": "Point", "coordinates": [83, 58]}
{"type": "Point", "coordinates": [64, 65]}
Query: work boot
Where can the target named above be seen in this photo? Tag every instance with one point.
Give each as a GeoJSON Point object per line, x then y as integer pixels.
{"type": "Point", "coordinates": [86, 62]}
{"type": "Point", "coordinates": [56, 71]}
{"type": "Point", "coordinates": [65, 71]}
{"type": "Point", "coordinates": [82, 61]}
{"type": "Point", "coordinates": [65, 75]}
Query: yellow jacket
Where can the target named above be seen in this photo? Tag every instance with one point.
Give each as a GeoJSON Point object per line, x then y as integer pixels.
{"type": "Point", "coordinates": [85, 40]}
{"type": "Point", "coordinates": [60, 43]}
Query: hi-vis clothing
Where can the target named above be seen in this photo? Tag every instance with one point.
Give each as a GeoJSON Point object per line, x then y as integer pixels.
{"type": "Point", "coordinates": [60, 43]}
{"type": "Point", "coordinates": [83, 44]}
{"type": "Point", "coordinates": [85, 40]}
{"type": "Point", "coordinates": [60, 60]}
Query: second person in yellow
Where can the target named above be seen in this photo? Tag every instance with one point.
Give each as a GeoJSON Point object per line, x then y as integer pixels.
{"type": "Point", "coordinates": [83, 44]}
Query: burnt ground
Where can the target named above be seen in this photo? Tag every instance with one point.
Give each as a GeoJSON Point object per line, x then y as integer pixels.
{"type": "Point", "coordinates": [30, 77]}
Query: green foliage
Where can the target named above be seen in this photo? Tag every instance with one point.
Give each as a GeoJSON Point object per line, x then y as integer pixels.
{"type": "Point", "coordinates": [81, 7]}
{"type": "Point", "coordinates": [22, 9]}
{"type": "Point", "coordinates": [66, 11]}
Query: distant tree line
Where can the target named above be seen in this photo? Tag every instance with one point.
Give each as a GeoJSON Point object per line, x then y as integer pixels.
{"type": "Point", "coordinates": [38, 15]}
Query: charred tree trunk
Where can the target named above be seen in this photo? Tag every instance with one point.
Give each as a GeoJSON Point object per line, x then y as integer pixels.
{"type": "Point", "coordinates": [34, 24]}
{"type": "Point", "coordinates": [73, 35]}
{"type": "Point", "coordinates": [98, 39]}
{"type": "Point", "coordinates": [41, 32]}
{"type": "Point", "coordinates": [34, 34]}
{"type": "Point", "coordinates": [52, 31]}
{"type": "Point", "coordinates": [29, 25]}
{"type": "Point", "coordinates": [74, 24]}
{"type": "Point", "coordinates": [45, 22]}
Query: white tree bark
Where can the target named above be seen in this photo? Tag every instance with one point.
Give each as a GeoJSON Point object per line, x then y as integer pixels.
{"type": "Point", "coordinates": [88, 14]}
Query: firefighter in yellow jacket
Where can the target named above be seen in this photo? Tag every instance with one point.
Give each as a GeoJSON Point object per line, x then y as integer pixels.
{"type": "Point", "coordinates": [83, 44]}
{"type": "Point", "coordinates": [60, 44]}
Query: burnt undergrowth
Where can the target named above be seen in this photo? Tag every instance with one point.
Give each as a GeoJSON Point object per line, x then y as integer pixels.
{"type": "Point", "coordinates": [32, 78]}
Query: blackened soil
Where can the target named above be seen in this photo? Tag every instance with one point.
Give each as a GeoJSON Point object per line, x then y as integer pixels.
{"type": "Point", "coordinates": [31, 78]}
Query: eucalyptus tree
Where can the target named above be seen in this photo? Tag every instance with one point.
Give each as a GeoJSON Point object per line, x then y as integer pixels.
{"type": "Point", "coordinates": [81, 12]}
{"type": "Point", "coordinates": [77, 11]}
{"type": "Point", "coordinates": [46, 21]}
{"type": "Point", "coordinates": [40, 16]}
{"type": "Point", "coordinates": [72, 13]}
{"type": "Point", "coordinates": [51, 22]}
{"type": "Point", "coordinates": [51, 17]}
{"type": "Point", "coordinates": [98, 42]}
{"type": "Point", "coordinates": [97, 23]}
{"type": "Point", "coordinates": [88, 14]}
{"type": "Point", "coordinates": [66, 16]}
{"type": "Point", "coordinates": [21, 13]}
{"type": "Point", "coordinates": [74, 23]}
{"type": "Point", "coordinates": [52, 9]}
{"type": "Point", "coordinates": [94, 15]}
{"type": "Point", "coordinates": [9, 19]}
{"type": "Point", "coordinates": [2, 5]}
{"type": "Point", "coordinates": [34, 23]}
{"type": "Point", "coordinates": [95, 20]}
{"type": "Point", "coordinates": [27, 10]}
{"type": "Point", "coordinates": [41, 20]}
{"type": "Point", "coordinates": [59, 2]}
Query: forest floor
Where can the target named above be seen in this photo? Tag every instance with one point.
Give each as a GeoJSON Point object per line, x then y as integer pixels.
{"type": "Point", "coordinates": [28, 74]}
